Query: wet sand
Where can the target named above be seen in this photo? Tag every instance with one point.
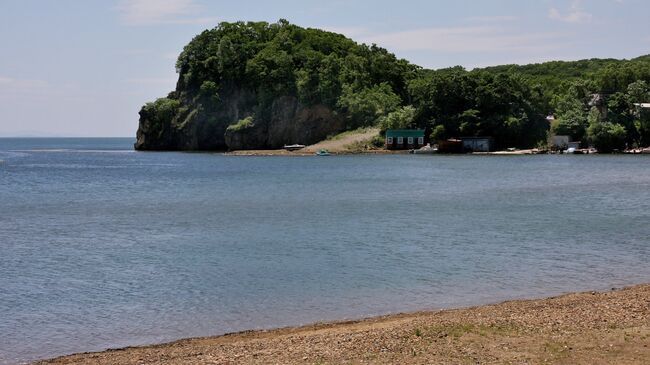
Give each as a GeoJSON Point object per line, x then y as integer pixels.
{"type": "Point", "coordinates": [610, 327]}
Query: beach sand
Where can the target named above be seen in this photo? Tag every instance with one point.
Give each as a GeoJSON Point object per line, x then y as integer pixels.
{"type": "Point", "coordinates": [610, 327]}
{"type": "Point", "coordinates": [343, 144]}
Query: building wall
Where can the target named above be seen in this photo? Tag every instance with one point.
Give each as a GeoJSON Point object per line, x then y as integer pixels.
{"type": "Point", "coordinates": [450, 146]}
{"type": "Point", "coordinates": [477, 145]}
{"type": "Point", "coordinates": [392, 143]}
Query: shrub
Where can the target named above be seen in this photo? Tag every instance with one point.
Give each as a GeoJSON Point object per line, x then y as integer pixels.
{"type": "Point", "coordinates": [607, 136]}
{"type": "Point", "coordinates": [241, 125]}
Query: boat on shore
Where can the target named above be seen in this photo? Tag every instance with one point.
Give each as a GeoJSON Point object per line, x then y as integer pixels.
{"type": "Point", "coordinates": [323, 152]}
{"type": "Point", "coordinates": [294, 147]}
{"type": "Point", "coordinates": [424, 150]}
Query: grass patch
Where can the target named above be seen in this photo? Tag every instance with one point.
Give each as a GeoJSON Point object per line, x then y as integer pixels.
{"type": "Point", "coordinates": [241, 125]}
{"type": "Point", "coordinates": [458, 330]}
{"type": "Point", "coordinates": [345, 134]}
{"type": "Point", "coordinates": [455, 330]}
{"type": "Point", "coordinates": [557, 349]}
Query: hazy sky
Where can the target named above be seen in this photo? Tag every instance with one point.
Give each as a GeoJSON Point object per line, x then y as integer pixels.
{"type": "Point", "coordinates": [84, 67]}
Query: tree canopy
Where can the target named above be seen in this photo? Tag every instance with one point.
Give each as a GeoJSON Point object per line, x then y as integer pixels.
{"type": "Point", "coordinates": [368, 86]}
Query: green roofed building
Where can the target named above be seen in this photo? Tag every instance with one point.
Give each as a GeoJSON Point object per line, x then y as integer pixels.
{"type": "Point", "coordinates": [403, 139]}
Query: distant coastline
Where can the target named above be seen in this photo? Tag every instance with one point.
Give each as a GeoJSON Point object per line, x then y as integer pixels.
{"type": "Point", "coordinates": [238, 89]}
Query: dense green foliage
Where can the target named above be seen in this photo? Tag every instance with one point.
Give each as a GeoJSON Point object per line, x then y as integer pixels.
{"type": "Point", "coordinates": [455, 103]}
{"type": "Point", "coordinates": [161, 111]}
{"type": "Point", "coordinates": [242, 124]}
{"type": "Point", "coordinates": [368, 86]}
{"type": "Point", "coordinates": [569, 90]}
{"type": "Point", "coordinates": [284, 59]}
{"type": "Point", "coordinates": [402, 118]}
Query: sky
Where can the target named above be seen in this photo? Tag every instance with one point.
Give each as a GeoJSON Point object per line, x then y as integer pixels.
{"type": "Point", "coordinates": [84, 68]}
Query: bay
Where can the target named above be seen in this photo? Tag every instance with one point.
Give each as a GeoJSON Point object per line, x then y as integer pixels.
{"type": "Point", "coordinates": [102, 246]}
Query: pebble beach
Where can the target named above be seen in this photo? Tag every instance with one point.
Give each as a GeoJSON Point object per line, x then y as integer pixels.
{"type": "Point", "coordinates": [610, 327]}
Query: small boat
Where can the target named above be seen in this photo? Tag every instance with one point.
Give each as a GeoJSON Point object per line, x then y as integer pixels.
{"type": "Point", "coordinates": [294, 147]}
{"type": "Point", "coordinates": [323, 153]}
{"type": "Point", "coordinates": [425, 150]}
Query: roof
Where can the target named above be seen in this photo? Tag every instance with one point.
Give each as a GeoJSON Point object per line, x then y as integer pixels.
{"type": "Point", "coordinates": [405, 133]}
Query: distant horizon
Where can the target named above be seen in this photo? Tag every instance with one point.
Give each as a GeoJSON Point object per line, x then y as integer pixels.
{"type": "Point", "coordinates": [82, 68]}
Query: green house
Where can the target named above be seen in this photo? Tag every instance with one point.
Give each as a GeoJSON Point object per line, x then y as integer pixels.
{"type": "Point", "coordinates": [404, 139]}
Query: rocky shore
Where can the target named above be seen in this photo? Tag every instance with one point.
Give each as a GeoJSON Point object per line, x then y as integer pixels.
{"type": "Point", "coordinates": [610, 327]}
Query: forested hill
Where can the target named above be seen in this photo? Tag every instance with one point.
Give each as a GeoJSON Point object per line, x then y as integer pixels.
{"type": "Point", "coordinates": [553, 74]}
{"type": "Point", "coordinates": [258, 85]}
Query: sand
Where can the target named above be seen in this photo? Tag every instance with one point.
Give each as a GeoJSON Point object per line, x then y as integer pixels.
{"type": "Point", "coordinates": [345, 143]}
{"type": "Point", "coordinates": [610, 327]}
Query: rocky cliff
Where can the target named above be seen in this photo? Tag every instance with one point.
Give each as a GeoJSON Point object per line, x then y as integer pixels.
{"type": "Point", "coordinates": [195, 127]}
{"type": "Point", "coordinates": [257, 85]}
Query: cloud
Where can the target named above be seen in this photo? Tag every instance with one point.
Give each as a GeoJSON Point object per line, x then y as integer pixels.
{"type": "Point", "coordinates": [575, 14]}
{"type": "Point", "coordinates": [465, 40]}
{"type": "Point", "coordinates": [491, 19]}
{"type": "Point", "coordinates": [149, 12]}
{"type": "Point", "coordinates": [19, 86]}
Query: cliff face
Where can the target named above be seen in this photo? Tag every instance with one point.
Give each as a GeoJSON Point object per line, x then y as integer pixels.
{"type": "Point", "coordinates": [289, 122]}
{"type": "Point", "coordinates": [195, 126]}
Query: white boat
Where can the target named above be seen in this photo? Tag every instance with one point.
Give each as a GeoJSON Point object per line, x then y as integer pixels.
{"type": "Point", "coordinates": [294, 147]}
{"type": "Point", "coordinates": [425, 150]}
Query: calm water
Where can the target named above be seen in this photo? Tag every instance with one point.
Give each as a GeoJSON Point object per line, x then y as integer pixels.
{"type": "Point", "coordinates": [105, 247]}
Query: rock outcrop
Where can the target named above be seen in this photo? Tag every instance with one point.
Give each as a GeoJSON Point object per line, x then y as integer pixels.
{"type": "Point", "coordinates": [257, 85]}
{"type": "Point", "coordinates": [288, 122]}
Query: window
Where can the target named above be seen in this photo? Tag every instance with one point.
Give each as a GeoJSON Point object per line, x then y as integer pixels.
{"type": "Point", "coordinates": [420, 140]}
{"type": "Point", "coordinates": [410, 140]}
{"type": "Point", "coordinates": [389, 140]}
{"type": "Point", "coordinates": [400, 140]}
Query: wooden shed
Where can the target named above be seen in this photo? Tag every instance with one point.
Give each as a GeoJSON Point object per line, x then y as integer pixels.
{"type": "Point", "coordinates": [404, 139]}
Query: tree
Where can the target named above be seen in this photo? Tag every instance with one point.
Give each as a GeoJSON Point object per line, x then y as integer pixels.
{"type": "Point", "coordinates": [210, 91]}
{"type": "Point", "coordinates": [607, 136]}
{"type": "Point", "coordinates": [438, 133]}
{"type": "Point", "coordinates": [620, 111]}
{"type": "Point", "coordinates": [365, 107]}
{"type": "Point", "coordinates": [573, 124]}
{"type": "Point", "coordinates": [402, 118]}
{"type": "Point", "coordinates": [639, 92]}
{"type": "Point", "coordinates": [244, 68]}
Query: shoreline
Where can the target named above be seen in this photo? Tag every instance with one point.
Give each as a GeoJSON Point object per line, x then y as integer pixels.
{"type": "Point", "coordinates": [282, 152]}
{"type": "Point", "coordinates": [577, 328]}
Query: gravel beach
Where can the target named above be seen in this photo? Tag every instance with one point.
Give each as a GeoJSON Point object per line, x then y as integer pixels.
{"type": "Point", "coordinates": [583, 328]}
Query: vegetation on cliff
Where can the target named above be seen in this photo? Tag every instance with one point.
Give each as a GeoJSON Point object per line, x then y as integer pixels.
{"type": "Point", "coordinates": [260, 85]}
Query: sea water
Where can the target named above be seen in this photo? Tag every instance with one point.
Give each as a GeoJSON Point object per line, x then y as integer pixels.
{"type": "Point", "coordinates": [103, 247]}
